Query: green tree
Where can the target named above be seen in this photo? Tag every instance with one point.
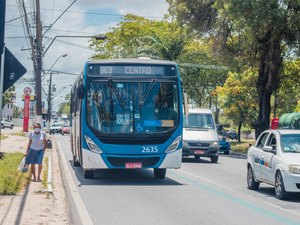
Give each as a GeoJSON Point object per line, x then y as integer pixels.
{"type": "Point", "coordinates": [136, 36]}
{"type": "Point", "coordinates": [167, 41]}
{"type": "Point", "coordinates": [288, 96]}
{"type": "Point", "coordinates": [238, 98]}
{"type": "Point", "coordinates": [298, 107]}
{"type": "Point", "coordinates": [8, 95]}
{"type": "Point", "coordinates": [17, 112]}
{"type": "Point", "coordinates": [270, 27]}
{"type": "Point", "coordinates": [202, 74]}
{"type": "Point", "coordinates": [64, 107]}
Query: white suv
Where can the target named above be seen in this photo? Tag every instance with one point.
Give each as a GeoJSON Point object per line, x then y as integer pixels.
{"type": "Point", "coordinates": [6, 123]}
{"type": "Point", "coordinates": [275, 160]}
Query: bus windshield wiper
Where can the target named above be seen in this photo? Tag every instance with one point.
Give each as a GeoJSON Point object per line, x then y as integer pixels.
{"type": "Point", "coordinates": [120, 100]}
{"type": "Point", "coordinates": [148, 91]}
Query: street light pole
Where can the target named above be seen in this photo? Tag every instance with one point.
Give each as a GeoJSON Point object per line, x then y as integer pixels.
{"type": "Point", "coordinates": [50, 93]}
{"type": "Point", "coordinates": [49, 103]}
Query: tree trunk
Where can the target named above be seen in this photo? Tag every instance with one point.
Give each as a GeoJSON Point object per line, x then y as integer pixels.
{"type": "Point", "coordinates": [268, 80]}
{"type": "Point", "coordinates": [217, 115]}
{"type": "Point", "coordinates": [263, 121]}
{"type": "Point", "coordinates": [217, 112]}
{"type": "Point", "coordinates": [239, 131]}
{"type": "Point", "coordinates": [275, 104]}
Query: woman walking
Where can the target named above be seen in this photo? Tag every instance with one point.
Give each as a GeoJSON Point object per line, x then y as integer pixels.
{"type": "Point", "coordinates": [35, 151]}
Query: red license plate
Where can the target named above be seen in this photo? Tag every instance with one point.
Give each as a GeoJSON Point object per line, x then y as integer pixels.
{"type": "Point", "coordinates": [199, 152]}
{"type": "Point", "coordinates": [135, 165]}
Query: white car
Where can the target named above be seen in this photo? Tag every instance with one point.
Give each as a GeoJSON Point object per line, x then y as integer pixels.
{"type": "Point", "coordinates": [6, 123]}
{"type": "Point", "coordinates": [275, 160]}
{"type": "Point", "coordinates": [55, 128]}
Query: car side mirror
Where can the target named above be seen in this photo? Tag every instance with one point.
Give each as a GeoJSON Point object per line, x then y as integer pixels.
{"type": "Point", "coordinates": [269, 149]}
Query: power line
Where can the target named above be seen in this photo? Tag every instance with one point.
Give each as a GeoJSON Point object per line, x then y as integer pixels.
{"type": "Point", "coordinates": [95, 13]}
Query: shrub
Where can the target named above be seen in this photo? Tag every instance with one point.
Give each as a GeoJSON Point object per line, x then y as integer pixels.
{"type": "Point", "coordinates": [12, 180]}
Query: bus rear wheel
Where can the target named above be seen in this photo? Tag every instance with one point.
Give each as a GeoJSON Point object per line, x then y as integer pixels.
{"type": "Point", "coordinates": [160, 173]}
{"type": "Point", "coordinates": [89, 174]}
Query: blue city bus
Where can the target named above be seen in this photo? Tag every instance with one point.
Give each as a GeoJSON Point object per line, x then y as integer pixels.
{"type": "Point", "coordinates": [127, 114]}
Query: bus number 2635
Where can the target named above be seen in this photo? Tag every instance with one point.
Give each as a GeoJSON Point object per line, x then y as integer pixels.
{"type": "Point", "coordinates": [149, 149]}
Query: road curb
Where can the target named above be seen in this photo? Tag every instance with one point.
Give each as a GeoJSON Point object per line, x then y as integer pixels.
{"type": "Point", "coordinates": [238, 154]}
{"type": "Point", "coordinates": [49, 176]}
{"type": "Point", "coordinates": [71, 188]}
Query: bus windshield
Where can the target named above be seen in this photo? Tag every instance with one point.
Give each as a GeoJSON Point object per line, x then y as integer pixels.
{"type": "Point", "coordinates": [141, 107]}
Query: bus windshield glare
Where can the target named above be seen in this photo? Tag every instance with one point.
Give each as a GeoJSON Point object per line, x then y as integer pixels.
{"type": "Point", "coordinates": [132, 107]}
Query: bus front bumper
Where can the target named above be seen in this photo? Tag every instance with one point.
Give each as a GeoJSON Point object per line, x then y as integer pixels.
{"type": "Point", "coordinates": [93, 160]}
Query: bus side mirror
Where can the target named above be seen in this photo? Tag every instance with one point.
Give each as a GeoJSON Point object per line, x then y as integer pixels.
{"type": "Point", "coordinates": [80, 91]}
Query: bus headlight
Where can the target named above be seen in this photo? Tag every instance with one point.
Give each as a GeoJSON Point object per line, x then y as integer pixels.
{"type": "Point", "coordinates": [92, 146]}
{"type": "Point", "coordinates": [294, 169]}
{"type": "Point", "coordinates": [174, 145]}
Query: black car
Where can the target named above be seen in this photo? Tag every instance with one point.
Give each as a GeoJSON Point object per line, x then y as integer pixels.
{"type": "Point", "coordinates": [232, 135]}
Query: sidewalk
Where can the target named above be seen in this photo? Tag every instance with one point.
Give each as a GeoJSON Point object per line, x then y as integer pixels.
{"type": "Point", "coordinates": [33, 205]}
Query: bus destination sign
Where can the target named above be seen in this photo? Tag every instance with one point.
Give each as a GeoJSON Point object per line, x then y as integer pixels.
{"type": "Point", "coordinates": [131, 70]}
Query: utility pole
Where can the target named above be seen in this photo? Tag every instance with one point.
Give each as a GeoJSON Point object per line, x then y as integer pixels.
{"type": "Point", "coordinates": [38, 64]}
{"type": "Point", "coordinates": [2, 54]}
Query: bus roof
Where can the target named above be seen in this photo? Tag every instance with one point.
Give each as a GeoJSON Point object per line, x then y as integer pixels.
{"type": "Point", "coordinates": [132, 60]}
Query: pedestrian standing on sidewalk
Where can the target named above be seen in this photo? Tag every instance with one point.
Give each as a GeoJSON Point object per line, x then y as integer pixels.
{"type": "Point", "coordinates": [35, 151]}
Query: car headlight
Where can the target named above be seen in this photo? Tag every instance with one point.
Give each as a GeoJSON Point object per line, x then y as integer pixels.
{"type": "Point", "coordinates": [185, 144]}
{"type": "Point", "coordinates": [294, 169]}
{"type": "Point", "coordinates": [214, 144]}
{"type": "Point", "coordinates": [174, 145]}
{"type": "Point", "coordinates": [91, 144]}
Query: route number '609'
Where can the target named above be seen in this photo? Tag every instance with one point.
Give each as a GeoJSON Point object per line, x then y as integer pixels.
{"type": "Point", "coordinates": [149, 149]}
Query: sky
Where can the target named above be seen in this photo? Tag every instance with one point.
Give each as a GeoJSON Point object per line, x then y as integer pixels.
{"type": "Point", "coordinates": [85, 18]}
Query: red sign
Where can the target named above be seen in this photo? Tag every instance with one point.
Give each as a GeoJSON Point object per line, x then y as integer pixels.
{"type": "Point", "coordinates": [26, 113]}
{"type": "Point", "coordinates": [27, 91]}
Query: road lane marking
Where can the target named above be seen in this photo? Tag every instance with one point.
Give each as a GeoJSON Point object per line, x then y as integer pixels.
{"type": "Point", "coordinates": [234, 199]}
{"type": "Point", "coordinates": [231, 189]}
{"type": "Point", "coordinates": [81, 209]}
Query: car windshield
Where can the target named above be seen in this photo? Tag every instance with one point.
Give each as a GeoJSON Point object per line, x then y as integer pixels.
{"type": "Point", "coordinates": [132, 107]}
{"type": "Point", "coordinates": [290, 143]}
{"type": "Point", "coordinates": [199, 121]}
{"type": "Point", "coordinates": [56, 125]}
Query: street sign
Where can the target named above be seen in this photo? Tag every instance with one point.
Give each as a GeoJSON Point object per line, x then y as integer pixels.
{"type": "Point", "coordinates": [27, 90]}
{"type": "Point", "coordinates": [13, 70]}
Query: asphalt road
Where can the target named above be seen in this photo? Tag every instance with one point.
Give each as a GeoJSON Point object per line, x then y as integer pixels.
{"type": "Point", "coordinates": [198, 193]}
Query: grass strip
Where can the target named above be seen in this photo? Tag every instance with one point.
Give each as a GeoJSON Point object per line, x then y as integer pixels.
{"type": "Point", "coordinates": [12, 180]}
{"type": "Point", "coordinates": [242, 146]}
{"type": "Point", "coordinates": [21, 133]}
{"type": "Point", "coordinates": [3, 137]}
